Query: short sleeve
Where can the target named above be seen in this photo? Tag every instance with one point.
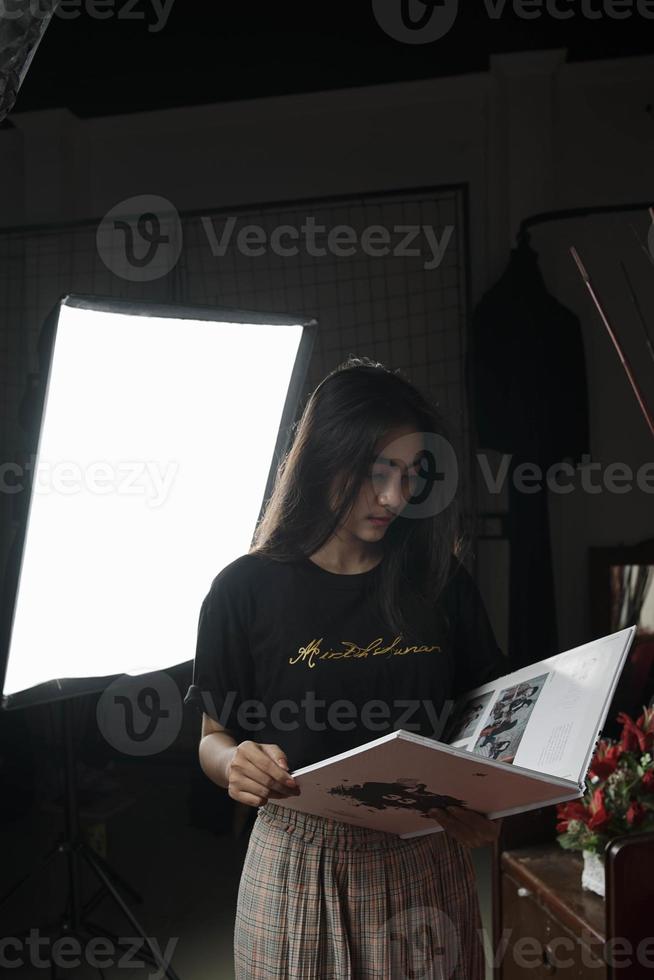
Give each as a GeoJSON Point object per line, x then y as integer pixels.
{"type": "Point", "coordinates": [223, 675]}
{"type": "Point", "coordinates": [477, 657]}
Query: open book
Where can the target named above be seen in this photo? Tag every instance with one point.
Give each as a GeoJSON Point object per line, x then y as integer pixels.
{"type": "Point", "coordinates": [523, 741]}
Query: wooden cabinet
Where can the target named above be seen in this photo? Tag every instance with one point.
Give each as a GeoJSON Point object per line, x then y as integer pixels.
{"type": "Point", "coordinates": [551, 927]}
{"type": "Point", "coordinates": [548, 926]}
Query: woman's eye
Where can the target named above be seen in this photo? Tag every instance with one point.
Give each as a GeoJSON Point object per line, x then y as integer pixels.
{"type": "Point", "coordinates": [378, 475]}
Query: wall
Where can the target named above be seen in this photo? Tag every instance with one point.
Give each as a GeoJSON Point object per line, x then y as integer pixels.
{"type": "Point", "coordinates": [531, 134]}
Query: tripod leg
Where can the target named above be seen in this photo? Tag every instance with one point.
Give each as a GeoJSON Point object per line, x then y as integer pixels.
{"type": "Point", "coordinates": [117, 879]}
{"type": "Point", "coordinates": [44, 862]}
{"type": "Point", "coordinates": [111, 873]}
{"type": "Point", "coordinates": [118, 941]}
{"type": "Point", "coordinates": [90, 858]}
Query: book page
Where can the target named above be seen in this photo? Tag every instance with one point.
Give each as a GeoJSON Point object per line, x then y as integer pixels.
{"type": "Point", "coordinates": [544, 717]}
{"type": "Point", "coordinates": [398, 783]}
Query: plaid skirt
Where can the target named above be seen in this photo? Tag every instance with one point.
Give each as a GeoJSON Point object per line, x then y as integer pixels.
{"type": "Point", "coordinates": [320, 899]}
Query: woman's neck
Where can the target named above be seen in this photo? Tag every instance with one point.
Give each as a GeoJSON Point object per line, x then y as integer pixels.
{"type": "Point", "coordinates": [344, 559]}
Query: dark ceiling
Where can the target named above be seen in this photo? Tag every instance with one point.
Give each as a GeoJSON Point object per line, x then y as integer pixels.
{"type": "Point", "coordinates": [137, 59]}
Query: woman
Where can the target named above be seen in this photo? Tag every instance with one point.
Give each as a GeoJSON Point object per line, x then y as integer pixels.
{"type": "Point", "coordinates": [349, 606]}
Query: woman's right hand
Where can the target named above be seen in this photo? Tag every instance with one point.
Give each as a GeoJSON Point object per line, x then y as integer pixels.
{"type": "Point", "coordinates": [258, 772]}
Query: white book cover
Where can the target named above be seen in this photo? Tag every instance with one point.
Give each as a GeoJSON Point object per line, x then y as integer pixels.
{"type": "Point", "coordinates": [523, 741]}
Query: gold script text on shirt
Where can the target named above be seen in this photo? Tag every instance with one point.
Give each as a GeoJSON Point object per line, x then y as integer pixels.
{"type": "Point", "coordinates": [312, 652]}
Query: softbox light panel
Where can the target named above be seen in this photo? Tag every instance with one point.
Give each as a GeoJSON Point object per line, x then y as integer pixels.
{"type": "Point", "coordinates": [158, 437]}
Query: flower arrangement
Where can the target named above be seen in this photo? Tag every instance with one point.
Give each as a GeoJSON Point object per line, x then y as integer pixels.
{"type": "Point", "coordinates": [619, 796]}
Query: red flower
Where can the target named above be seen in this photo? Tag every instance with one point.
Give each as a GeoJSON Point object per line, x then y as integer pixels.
{"type": "Point", "coordinates": [599, 818]}
{"type": "Point", "coordinates": [575, 810]}
{"type": "Point", "coordinates": [605, 760]}
{"type": "Point", "coordinates": [601, 769]}
{"type": "Point", "coordinates": [648, 781]}
{"type": "Point", "coordinates": [635, 813]}
{"type": "Point", "coordinates": [634, 738]}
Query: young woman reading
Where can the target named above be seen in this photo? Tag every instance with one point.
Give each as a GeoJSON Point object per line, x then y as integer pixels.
{"type": "Point", "coordinates": [351, 603]}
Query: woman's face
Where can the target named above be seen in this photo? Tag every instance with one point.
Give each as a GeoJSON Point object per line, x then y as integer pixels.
{"type": "Point", "coordinates": [391, 481]}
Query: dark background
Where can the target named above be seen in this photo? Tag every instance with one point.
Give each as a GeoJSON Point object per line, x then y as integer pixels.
{"type": "Point", "coordinates": [224, 51]}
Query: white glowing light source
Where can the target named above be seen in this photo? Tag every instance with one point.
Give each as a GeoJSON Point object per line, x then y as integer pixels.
{"type": "Point", "coordinates": [157, 440]}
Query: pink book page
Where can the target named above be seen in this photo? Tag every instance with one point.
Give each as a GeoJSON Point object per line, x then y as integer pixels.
{"type": "Point", "coordinates": [392, 785]}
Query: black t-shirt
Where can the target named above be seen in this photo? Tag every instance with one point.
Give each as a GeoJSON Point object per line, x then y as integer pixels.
{"type": "Point", "coordinates": [291, 654]}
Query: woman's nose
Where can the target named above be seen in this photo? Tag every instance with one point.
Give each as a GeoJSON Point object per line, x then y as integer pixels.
{"type": "Point", "coordinates": [391, 495]}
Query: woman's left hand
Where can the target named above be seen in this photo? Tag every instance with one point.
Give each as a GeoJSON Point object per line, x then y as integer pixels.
{"type": "Point", "coordinates": [467, 826]}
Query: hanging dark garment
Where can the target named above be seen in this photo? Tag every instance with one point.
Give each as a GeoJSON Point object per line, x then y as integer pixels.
{"type": "Point", "coordinates": [533, 632]}
{"type": "Point", "coordinates": [527, 371]}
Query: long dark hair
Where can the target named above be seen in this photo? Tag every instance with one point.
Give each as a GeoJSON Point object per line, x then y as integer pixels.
{"type": "Point", "coordinates": [336, 435]}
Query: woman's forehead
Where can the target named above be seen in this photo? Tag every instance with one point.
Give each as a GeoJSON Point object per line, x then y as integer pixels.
{"type": "Point", "coordinates": [401, 444]}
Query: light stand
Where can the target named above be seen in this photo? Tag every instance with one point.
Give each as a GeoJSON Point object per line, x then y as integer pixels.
{"type": "Point", "coordinates": [71, 844]}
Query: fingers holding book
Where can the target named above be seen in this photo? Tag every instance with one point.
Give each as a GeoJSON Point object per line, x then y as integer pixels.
{"type": "Point", "coordinates": [466, 826]}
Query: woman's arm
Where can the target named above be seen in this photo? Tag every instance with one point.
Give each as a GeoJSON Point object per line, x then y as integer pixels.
{"type": "Point", "coordinates": [216, 751]}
